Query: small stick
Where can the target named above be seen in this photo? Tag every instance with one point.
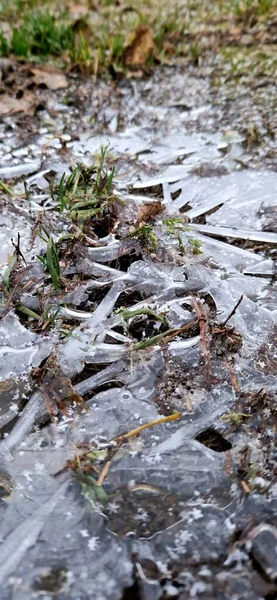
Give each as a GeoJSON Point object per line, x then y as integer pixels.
{"type": "Point", "coordinates": [88, 239]}
{"type": "Point", "coordinates": [138, 430]}
{"type": "Point", "coordinates": [96, 65]}
{"type": "Point", "coordinates": [188, 405]}
{"type": "Point", "coordinates": [245, 487]}
{"type": "Point", "coordinates": [10, 298]}
{"type": "Point", "coordinates": [17, 248]}
{"type": "Point", "coordinates": [202, 317]}
{"type": "Point", "coordinates": [104, 473]}
{"type": "Point", "coordinates": [234, 310]}
{"type": "Point", "coordinates": [233, 375]}
{"type": "Point", "coordinates": [122, 438]}
{"type": "Point", "coordinates": [49, 403]}
{"type": "Point", "coordinates": [77, 457]}
{"type": "Point", "coordinates": [53, 137]}
{"type": "Point", "coordinates": [171, 336]}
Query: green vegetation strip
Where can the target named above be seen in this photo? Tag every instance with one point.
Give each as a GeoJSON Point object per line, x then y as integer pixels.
{"type": "Point", "coordinates": [97, 35]}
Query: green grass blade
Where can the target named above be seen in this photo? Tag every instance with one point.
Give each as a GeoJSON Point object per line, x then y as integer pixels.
{"type": "Point", "coordinates": [52, 260]}
{"type": "Point", "coordinates": [11, 263]}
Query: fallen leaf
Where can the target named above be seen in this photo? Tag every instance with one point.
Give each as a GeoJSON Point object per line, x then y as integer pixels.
{"type": "Point", "coordinates": [140, 48]}
{"type": "Point", "coordinates": [77, 10]}
{"type": "Point", "coordinates": [52, 79]}
{"type": "Point", "coordinates": [6, 64]}
{"type": "Point", "coordinates": [149, 211]}
{"type": "Point", "coordinates": [10, 105]}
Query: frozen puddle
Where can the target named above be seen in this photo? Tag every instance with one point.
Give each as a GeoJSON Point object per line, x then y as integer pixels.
{"type": "Point", "coordinates": [180, 335]}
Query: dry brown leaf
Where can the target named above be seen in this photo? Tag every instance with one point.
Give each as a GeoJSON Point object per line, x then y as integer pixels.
{"type": "Point", "coordinates": [10, 105]}
{"type": "Point", "coordinates": [52, 79]}
{"type": "Point", "coordinates": [77, 10]}
{"type": "Point", "coordinates": [149, 211]}
{"type": "Point", "coordinates": [141, 48]}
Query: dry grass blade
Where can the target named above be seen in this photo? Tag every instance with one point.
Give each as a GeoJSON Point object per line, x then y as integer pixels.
{"type": "Point", "coordinates": [202, 317]}
{"type": "Point", "coordinates": [138, 430]}
{"type": "Point", "coordinates": [165, 337]}
{"type": "Point", "coordinates": [121, 439]}
{"type": "Point", "coordinates": [233, 310]}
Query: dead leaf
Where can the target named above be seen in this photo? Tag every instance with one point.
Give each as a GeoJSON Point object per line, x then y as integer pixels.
{"type": "Point", "coordinates": [149, 211]}
{"type": "Point", "coordinates": [52, 79]}
{"type": "Point", "coordinates": [10, 105]}
{"type": "Point", "coordinates": [77, 10]}
{"type": "Point", "coordinates": [140, 48]}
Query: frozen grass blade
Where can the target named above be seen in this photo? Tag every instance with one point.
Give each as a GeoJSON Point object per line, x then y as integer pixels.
{"type": "Point", "coordinates": [52, 262]}
{"type": "Point", "coordinates": [8, 271]}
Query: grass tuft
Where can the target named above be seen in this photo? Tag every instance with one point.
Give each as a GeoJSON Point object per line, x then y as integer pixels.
{"type": "Point", "coordinates": [39, 33]}
{"type": "Point", "coordinates": [86, 196]}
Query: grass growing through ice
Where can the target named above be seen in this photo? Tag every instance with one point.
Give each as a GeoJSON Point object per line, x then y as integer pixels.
{"type": "Point", "coordinates": [51, 261]}
{"type": "Point", "coordinates": [11, 264]}
{"type": "Point", "coordinates": [6, 188]}
{"type": "Point", "coordinates": [146, 234]}
{"type": "Point", "coordinates": [236, 417]}
{"type": "Point", "coordinates": [87, 192]}
{"type": "Point", "coordinates": [196, 245]}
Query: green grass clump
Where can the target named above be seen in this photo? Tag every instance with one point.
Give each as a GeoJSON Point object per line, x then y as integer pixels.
{"type": "Point", "coordinates": [146, 234]}
{"type": "Point", "coordinates": [244, 9]}
{"type": "Point", "coordinates": [41, 34]}
{"type": "Point", "coordinates": [87, 193]}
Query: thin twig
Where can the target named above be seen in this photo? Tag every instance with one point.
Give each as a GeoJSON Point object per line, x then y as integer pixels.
{"type": "Point", "coordinates": [202, 317]}
{"type": "Point", "coordinates": [245, 487]}
{"type": "Point", "coordinates": [123, 438]}
{"type": "Point", "coordinates": [50, 140]}
{"type": "Point", "coordinates": [177, 332]}
{"type": "Point", "coordinates": [104, 473]}
{"type": "Point", "coordinates": [234, 310]}
{"type": "Point", "coordinates": [138, 430]}
{"type": "Point", "coordinates": [234, 378]}
{"type": "Point", "coordinates": [49, 403]}
{"type": "Point", "coordinates": [17, 248]}
{"type": "Point", "coordinates": [10, 298]}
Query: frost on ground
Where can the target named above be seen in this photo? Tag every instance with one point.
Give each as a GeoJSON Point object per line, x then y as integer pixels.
{"type": "Point", "coordinates": [165, 303]}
